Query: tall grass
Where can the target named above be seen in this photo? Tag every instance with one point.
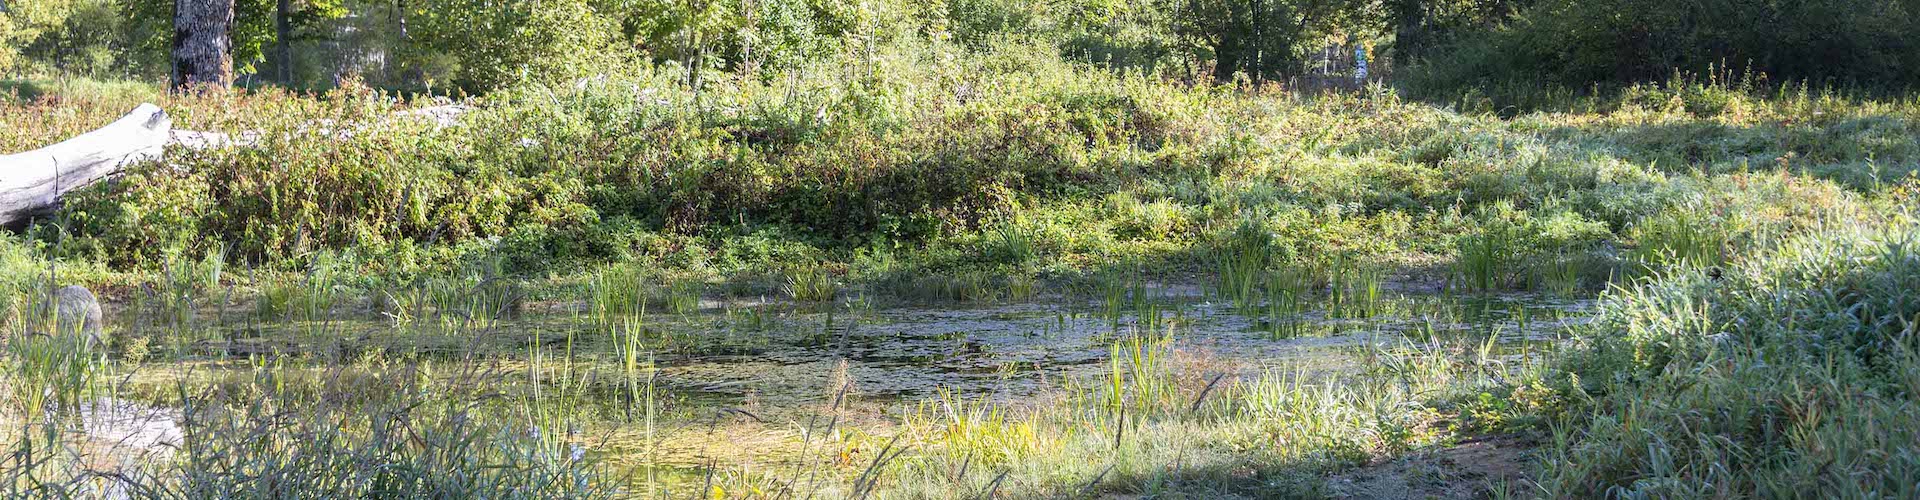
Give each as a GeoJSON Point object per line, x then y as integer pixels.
{"type": "Point", "coordinates": [1287, 301]}
{"type": "Point", "coordinates": [1483, 262]}
{"type": "Point", "coordinates": [279, 441]}
{"type": "Point", "coordinates": [1354, 292]}
{"type": "Point", "coordinates": [811, 284]}
{"type": "Point", "coordinates": [1788, 373]}
{"type": "Point", "coordinates": [1686, 236]}
{"type": "Point", "coordinates": [284, 430]}
{"type": "Point", "coordinates": [617, 293]}
{"type": "Point", "coordinates": [1156, 423]}
{"type": "Point", "coordinates": [1243, 261]}
{"type": "Point", "coordinates": [49, 377]}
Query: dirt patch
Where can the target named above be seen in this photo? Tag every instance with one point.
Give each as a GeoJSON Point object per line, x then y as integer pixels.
{"type": "Point", "coordinates": [1470, 469]}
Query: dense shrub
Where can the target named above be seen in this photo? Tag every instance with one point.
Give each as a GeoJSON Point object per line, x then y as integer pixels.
{"type": "Point", "coordinates": [1579, 44]}
{"type": "Point", "coordinates": [935, 151]}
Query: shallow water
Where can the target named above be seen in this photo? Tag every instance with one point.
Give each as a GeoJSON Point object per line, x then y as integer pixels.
{"type": "Point", "coordinates": [790, 358]}
{"type": "Point", "coordinates": [1009, 350]}
{"type": "Point", "coordinates": [780, 352]}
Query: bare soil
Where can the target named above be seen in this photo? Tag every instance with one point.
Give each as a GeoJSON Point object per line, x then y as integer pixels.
{"type": "Point", "coordinates": [1474, 468]}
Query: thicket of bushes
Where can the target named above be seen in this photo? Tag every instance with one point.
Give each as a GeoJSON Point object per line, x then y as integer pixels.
{"type": "Point", "coordinates": [931, 159]}
{"type": "Point", "coordinates": [987, 135]}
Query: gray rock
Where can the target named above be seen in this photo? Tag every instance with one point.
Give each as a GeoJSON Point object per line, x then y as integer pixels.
{"type": "Point", "coordinates": [79, 314]}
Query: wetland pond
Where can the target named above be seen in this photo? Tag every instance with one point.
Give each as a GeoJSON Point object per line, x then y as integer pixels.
{"type": "Point", "coordinates": [730, 382]}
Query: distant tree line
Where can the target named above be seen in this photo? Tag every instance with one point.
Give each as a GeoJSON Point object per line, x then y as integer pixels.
{"type": "Point", "coordinates": [477, 45]}
{"type": "Point", "coordinates": [1873, 43]}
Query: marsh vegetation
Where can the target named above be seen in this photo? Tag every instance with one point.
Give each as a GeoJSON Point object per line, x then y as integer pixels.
{"type": "Point", "coordinates": [949, 253]}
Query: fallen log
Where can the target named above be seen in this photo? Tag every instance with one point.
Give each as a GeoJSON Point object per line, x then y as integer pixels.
{"type": "Point", "coordinates": [33, 182]}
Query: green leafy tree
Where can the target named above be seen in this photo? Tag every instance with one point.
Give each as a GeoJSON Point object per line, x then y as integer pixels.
{"type": "Point", "coordinates": [737, 33]}
{"type": "Point", "coordinates": [256, 26]}
{"type": "Point", "coordinates": [1581, 43]}
{"type": "Point", "coordinates": [496, 44]}
{"type": "Point", "coordinates": [1420, 26]}
{"type": "Point", "coordinates": [91, 41]}
{"type": "Point", "coordinates": [22, 22]}
{"type": "Point", "coordinates": [1263, 39]}
{"type": "Point", "coordinates": [1637, 40]}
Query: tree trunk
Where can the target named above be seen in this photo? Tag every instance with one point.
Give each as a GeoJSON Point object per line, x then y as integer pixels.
{"type": "Point", "coordinates": [1410, 30]}
{"type": "Point", "coordinates": [202, 44]}
{"type": "Point", "coordinates": [283, 40]}
{"type": "Point", "coordinates": [33, 182]}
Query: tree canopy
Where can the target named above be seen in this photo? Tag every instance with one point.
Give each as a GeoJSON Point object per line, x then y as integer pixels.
{"type": "Point", "coordinates": [477, 45]}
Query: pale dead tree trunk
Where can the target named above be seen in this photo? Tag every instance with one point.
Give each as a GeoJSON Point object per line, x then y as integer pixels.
{"type": "Point", "coordinates": [32, 182]}
{"type": "Point", "coordinates": [202, 43]}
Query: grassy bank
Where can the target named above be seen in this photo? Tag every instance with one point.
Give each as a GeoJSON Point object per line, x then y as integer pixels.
{"type": "Point", "coordinates": [1791, 373]}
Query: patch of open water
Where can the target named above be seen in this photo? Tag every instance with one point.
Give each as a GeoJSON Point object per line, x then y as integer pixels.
{"type": "Point", "coordinates": [1002, 351]}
